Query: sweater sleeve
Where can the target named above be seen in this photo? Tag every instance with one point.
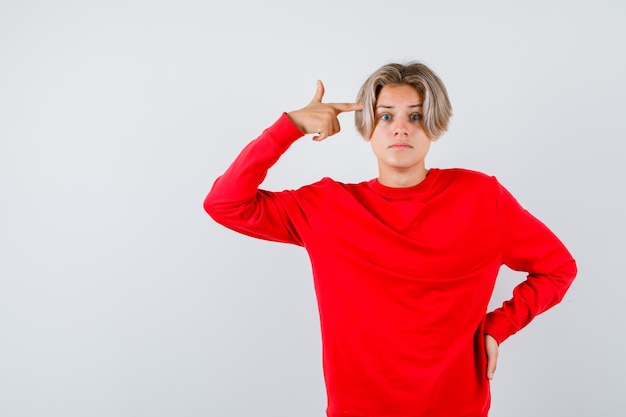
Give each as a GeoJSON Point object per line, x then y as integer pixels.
{"type": "Point", "coordinates": [235, 200]}
{"type": "Point", "coordinates": [529, 246]}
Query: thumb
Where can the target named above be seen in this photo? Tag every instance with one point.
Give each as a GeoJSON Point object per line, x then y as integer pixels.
{"type": "Point", "coordinates": [491, 349]}
{"type": "Point", "coordinates": [319, 93]}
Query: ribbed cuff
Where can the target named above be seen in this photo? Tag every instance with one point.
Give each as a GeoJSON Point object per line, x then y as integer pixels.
{"type": "Point", "coordinates": [284, 132]}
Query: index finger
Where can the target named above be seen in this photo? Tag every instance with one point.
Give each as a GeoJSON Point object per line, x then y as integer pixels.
{"type": "Point", "coordinates": [345, 107]}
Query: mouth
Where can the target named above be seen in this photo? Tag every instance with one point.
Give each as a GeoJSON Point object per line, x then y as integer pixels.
{"type": "Point", "coordinates": [400, 146]}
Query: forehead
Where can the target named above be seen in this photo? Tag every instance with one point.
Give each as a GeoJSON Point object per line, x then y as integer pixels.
{"type": "Point", "coordinates": [398, 95]}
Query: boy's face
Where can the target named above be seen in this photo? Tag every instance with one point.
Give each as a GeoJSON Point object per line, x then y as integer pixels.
{"type": "Point", "coordinates": [399, 140]}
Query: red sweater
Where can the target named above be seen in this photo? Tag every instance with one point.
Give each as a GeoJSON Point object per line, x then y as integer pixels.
{"type": "Point", "coordinates": [403, 276]}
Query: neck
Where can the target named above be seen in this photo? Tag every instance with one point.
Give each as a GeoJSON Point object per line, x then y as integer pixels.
{"type": "Point", "coordinates": [402, 179]}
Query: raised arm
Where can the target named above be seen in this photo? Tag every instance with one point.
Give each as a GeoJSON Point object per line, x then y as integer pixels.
{"type": "Point", "coordinates": [236, 201]}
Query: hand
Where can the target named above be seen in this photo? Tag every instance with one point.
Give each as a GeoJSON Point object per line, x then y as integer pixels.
{"type": "Point", "coordinates": [491, 348]}
{"type": "Point", "coordinates": [320, 118]}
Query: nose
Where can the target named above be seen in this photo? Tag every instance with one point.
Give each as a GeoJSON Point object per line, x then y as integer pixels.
{"type": "Point", "coordinates": [400, 127]}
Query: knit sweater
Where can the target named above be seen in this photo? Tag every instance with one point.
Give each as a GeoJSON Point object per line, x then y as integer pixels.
{"type": "Point", "coordinates": [403, 276]}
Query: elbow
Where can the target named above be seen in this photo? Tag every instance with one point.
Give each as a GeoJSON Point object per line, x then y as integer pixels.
{"type": "Point", "coordinates": [572, 270]}
{"type": "Point", "coordinates": [209, 205]}
{"type": "Point", "coordinates": [567, 273]}
{"type": "Point", "coordinates": [213, 208]}
{"type": "Point", "coordinates": [569, 269]}
{"type": "Point", "coordinates": [223, 210]}
{"type": "Point", "coordinates": [566, 269]}
{"type": "Point", "coordinates": [212, 205]}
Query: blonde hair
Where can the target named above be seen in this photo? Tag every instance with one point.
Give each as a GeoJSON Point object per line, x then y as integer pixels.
{"type": "Point", "coordinates": [436, 105]}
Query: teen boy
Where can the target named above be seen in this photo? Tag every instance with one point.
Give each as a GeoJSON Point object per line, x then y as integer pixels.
{"type": "Point", "coordinates": [404, 265]}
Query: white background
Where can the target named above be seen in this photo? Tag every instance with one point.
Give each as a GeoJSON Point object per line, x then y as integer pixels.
{"type": "Point", "coordinates": [120, 297]}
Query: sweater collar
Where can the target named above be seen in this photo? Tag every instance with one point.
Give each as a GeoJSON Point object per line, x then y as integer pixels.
{"type": "Point", "coordinates": [404, 192]}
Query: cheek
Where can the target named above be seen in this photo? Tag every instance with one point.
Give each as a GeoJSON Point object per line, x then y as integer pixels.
{"type": "Point", "coordinates": [376, 145]}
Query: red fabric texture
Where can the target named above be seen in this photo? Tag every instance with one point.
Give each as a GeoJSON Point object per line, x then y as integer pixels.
{"type": "Point", "coordinates": [403, 276]}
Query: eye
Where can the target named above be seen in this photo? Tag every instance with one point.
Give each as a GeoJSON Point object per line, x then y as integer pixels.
{"type": "Point", "coordinates": [385, 117]}
{"type": "Point", "coordinates": [415, 117]}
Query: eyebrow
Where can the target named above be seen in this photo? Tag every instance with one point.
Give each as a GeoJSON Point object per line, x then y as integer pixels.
{"type": "Point", "coordinates": [383, 106]}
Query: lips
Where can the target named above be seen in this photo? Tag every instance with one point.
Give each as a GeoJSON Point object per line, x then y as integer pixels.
{"type": "Point", "coordinates": [401, 146]}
